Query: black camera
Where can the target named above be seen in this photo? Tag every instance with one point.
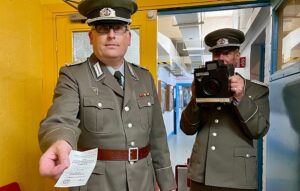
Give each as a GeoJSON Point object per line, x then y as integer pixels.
{"type": "Point", "coordinates": [211, 82]}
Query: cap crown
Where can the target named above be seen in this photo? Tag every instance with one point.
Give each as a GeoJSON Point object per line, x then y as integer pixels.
{"type": "Point", "coordinates": [224, 38]}
{"type": "Point", "coordinates": [98, 11]}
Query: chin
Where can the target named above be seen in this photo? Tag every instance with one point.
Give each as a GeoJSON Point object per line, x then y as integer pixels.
{"type": "Point", "coordinates": [112, 56]}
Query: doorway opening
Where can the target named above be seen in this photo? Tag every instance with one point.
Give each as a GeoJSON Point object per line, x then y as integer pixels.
{"type": "Point", "coordinates": [181, 49]}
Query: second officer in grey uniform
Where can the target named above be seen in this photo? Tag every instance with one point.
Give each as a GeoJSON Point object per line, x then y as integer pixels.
{"type": "Point", "coordinates": [225, 149]}
{"type": "Point", "coordinates": [120, 116]}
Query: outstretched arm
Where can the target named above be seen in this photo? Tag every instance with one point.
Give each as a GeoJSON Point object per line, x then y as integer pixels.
{"type": "Point", "coordinates": [55, 160]}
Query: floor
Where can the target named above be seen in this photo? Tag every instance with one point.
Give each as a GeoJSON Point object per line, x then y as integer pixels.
{"type": "Point", "coordinates": [180, 146]}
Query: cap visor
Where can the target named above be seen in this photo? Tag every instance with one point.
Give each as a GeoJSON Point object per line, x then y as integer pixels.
{"type": "Point", "coordinates": [108, 20]}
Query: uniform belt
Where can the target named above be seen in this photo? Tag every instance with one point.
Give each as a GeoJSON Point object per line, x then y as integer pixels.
{"type": "Point", "coordinates": [132, 154]}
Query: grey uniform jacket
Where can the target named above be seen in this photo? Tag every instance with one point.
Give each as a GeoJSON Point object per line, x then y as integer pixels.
{"type": "Point", "coordinates": [91, 110]}
{"type": "Point", "coordinates": [225, 150]}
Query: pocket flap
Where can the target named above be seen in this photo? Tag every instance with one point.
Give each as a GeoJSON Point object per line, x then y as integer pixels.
{"type": "Point", "coordinates": [97, 102]}
{"type": "Point", "coordinates": [99, 168]}
{"type": "Point", "coordinates": [245, 152]}
{"type": "Point", "coordinates": [145, 102]}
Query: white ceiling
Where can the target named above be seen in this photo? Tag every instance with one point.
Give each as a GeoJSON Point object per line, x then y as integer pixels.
{"type": "Point", "coordinates": [167, 24]}
{"type": "Point", "coordinates": [187, 32]}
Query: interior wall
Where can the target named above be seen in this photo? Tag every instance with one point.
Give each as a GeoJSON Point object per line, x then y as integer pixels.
{"type": "Point", "coordinates": [21, 92]}
{"type": "Point", "coordinates": [255, 62]}
{"type": "Point", "coordinates": [165, 76]}
{"type": "Point", "coordinates": [261, 23]}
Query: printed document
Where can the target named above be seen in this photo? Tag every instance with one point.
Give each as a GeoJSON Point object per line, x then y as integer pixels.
{"type": "Point", "coordinates": [81, 167]}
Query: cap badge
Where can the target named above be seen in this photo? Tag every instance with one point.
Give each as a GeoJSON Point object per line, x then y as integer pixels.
{"type": "Point", "coordinates": [107, 12]}
{"type": "Point", "coordinates": [222, 41]}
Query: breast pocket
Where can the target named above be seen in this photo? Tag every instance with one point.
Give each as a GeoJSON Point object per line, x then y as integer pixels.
{"type": "Point", "coordinates": [96, 111]}
{"type": "Point", "coordinates": [245, 168]}
{"type": "Point", "coordinates": [145, 110]}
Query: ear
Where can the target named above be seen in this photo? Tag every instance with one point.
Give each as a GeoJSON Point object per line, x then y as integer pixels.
{"type": "Point", "coordinates": [91, 37]}
{"type": "Point", "coordinates": [237, 58]}
{"type": "Point", "coordinates": [129, 38]}
{"type": "Point", "coordinates": [238, 54]}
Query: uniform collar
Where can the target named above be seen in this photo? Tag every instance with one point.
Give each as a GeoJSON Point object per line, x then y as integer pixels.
{"type": "Point", "coordinates": [95, 67]}
{"type": "Point", "coordinates": [98, 74]}
{"type": "Point", "coordinates": [132, 72]}
{"type": "Point", "coordinates": [112, 70]}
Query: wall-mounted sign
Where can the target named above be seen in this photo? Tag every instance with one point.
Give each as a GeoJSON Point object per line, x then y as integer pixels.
{"type": "Point", "coordinates": [242, 63]}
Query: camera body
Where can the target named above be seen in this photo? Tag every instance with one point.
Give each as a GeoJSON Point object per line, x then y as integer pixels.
{"type": "Point", "coordinates": [211, 82]}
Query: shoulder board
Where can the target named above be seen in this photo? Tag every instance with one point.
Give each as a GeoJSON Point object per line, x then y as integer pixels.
{"type": "Point", "coordinates": [80, 61]}
{"type": "Point", "coordinates": [138, 66]}
{"type": "Point", "coordinates": [259, 83]}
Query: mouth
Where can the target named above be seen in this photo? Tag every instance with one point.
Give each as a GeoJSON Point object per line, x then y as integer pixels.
{"type": "Point", "coordinates": [111, 45]}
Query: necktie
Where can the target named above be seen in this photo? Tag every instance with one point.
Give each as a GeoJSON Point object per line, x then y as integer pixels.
{"type": "Point", "coordinates": [118, 76]}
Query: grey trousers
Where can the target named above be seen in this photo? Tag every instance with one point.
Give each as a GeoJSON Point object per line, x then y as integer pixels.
{"type": "Point", "coordinates": [196, 186]}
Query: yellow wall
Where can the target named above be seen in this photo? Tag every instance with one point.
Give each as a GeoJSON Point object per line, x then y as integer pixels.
{"type": "Point", "coordinates": [21, 92]}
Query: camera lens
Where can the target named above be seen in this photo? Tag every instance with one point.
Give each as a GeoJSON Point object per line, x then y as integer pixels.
{"type": "Point", "coordinates": [211, 86]}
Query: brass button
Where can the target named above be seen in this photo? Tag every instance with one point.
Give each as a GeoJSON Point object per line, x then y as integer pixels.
{"type": "Point", "coordinates": [99, 104]}
{"type": "Point", "coordinates": [126, 108]}
{"type": "Point", "coordinates": [129, 125]}
{"type": "Point", "coordinates": [214, 134]}
{"type": "Point", "coordinates": [216, 120]}
{"type": "Point", "coordinates": [213, 148]}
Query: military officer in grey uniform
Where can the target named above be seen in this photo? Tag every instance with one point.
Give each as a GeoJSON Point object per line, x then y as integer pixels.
{"type": "Point", "coordinates": [224, 155]}
{"type": "Point", "coordinates": [121, 115]}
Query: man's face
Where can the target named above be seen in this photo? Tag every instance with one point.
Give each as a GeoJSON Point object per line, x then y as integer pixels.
{"type": "Point", "coordinates": [110, 41]}
{"type": "Point", "coordinates": [228, 56]}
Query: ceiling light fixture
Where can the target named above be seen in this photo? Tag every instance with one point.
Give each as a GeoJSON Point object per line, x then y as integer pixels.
{"type": "Point", "coordinates": [189, 24]}
{"type": "Point", "coordinates": [194, 55]}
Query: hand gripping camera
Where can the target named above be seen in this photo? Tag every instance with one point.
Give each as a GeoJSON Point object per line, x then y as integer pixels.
{"type": "Point", "coordinates": [211, 82]}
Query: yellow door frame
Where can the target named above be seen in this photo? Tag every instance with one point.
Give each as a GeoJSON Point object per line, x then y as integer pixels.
{"type": "Point", "coordinates": [58, 43]}
{"type": "Point", "coordinates": [65, 29]}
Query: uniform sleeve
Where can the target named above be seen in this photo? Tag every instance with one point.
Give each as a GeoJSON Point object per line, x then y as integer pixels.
{"type": "Point", "coordinates": [193, 117]}
{"type": "Point", "coordinates": [61, 122]}
{"type": "Point", "coordinates": [159, 147]}
{"type": "Point", "coordinates": [253, 110]}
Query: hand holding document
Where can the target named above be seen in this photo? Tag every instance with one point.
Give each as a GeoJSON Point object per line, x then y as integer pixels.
{"type": "Point", "coordinates": [81, 167]}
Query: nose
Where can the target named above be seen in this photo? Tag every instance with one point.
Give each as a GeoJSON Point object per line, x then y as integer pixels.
{"type": "Point", "coordinates": [222, 57]}
{"type": "Point", "coordinates": [111, 33]}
